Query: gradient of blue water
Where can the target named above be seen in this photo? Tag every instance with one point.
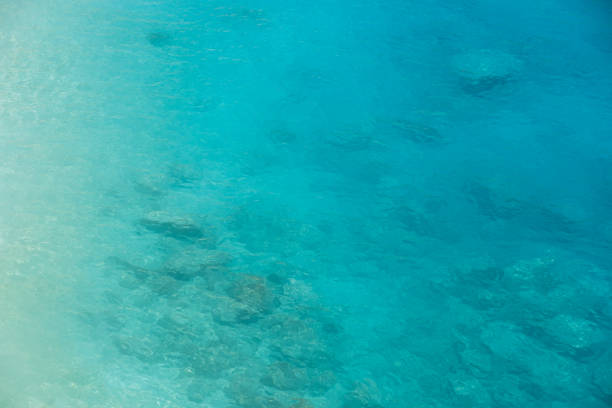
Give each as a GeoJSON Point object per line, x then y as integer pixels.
{"type": "Point", "coordinates": [373, 229]}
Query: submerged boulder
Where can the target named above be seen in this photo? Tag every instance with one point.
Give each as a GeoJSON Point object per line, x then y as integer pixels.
{"type": "Point", "coordinates": [286, 376]}
{"type": "Point", "coordinates": [159, 38]}
{"type": "Point", "coordinates": [469, 392]}
{"type": "Point", "coordinates": [484, 69]}
{"type": "Point", "coordinates": [197, 392]}
{"type": "Point", "coordinates": [252, 291]}
{"type": "Point", "coordinates": [247, 395]}
{"type": "Point", "coordinates": [211, 360]}
{"type": "Point", "coordinates": [298, 341]}
{"type": "Point", "coordinates": [365, 394]}
{"type": "Point", "coordinates": [231, 312]}
{"type": "Point", "coordinates": [417, 132]}
{"type": "Point", "coordinates": [302, 403]}
{"type": "Point", "coordinates": [180, 228]}
{"type": "Point", "coordinates": [601, 376]}
{"type": "Point", "coordinates": [194, 261]}
{"type": "Point", "coordinates": [573, 335]}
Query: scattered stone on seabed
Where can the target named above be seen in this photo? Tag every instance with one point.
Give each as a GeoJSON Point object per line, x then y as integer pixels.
{"type": "Point", "coordinates": [481, 276]}
{"type": "Point", "coordinates": [246, 395]}
{"type": "Point", "coordinates": [601, 376]}
{"type": "Point", "coordinates": [414, 220]}
{"type": "Point", "coordinates": [469, 392]}
{"type": "Point", "coordinates": [229, 312]}
{"type": "Point", "coordinates": [285, 376]}
{"type": "Point", "coordinates": [418, 132]}
{"type": "Point", "coordinates": [263, 229]}
{"type": "Point", "coordinates": [174, 322]}
{"type": "Point", "coordinates": [298, 342]}
{"type": "Point", "coordinates": [477, 360]}
{"type": "Point", "coordinates": [180, 228]}
{"type": "Point", "coordinates": [142, 348]}
{"type": "Point", "coordinates": [152, 185]}
{"type": "Point", "coordinates": [365, 394]}
{"type": "Point", "coordinates": [281, 135]}
{"type": "Point", "coordinates": [253, 292]}
{"type": "Point", "coordinates": [482, 70]}
{"type": "Point", "coordinates": [351, 139]}
{"type": "Point", "coordinates": [157, 185]}
{"type": "Point", "coordinates": [164, 285]}
{"type": "Point", "coordinates": [573, 335]}
{"type": "Point", "coordinates": [482, 298]}
{"type": "Point", "coordinates": [507, 341]}
{"type": "Point", "coordinates": [212, 360]}
{"type": "Point", "coordinates": [194, 261]}
{"type": "Point", "coordinates": [196, 391]}
{"type": "Point", "coordinates": [136, 271]}
{"type": "Point", "coordinates": [159, 38]}
{"type": "Point", "coordinates": [531, 273]}
{"type": "Point", "coordinates": [182, 175]}
{"type": "Point", "coordinates": [302, 403]}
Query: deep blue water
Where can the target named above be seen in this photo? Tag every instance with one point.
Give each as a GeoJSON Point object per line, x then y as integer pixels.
{"type": "Point", "coordinates": [265, 204]}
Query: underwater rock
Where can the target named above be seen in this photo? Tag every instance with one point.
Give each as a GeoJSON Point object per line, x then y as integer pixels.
{"type": "Point", "coordinates": [528, 215]}
{"type": "Point", "coordinates": [413, 221]}
{"type": "Point", "coordinates": [264, 229]}
{"type": "Point", "coordinates": [417, 132]}
{"type": "Point", "coordinates": [276, 278]}
{"type": "Point", "coordinates": [510, 391]}
{"type": "Point", "coordinates": [365, 394]}
{"type": "Point", "coordinates": [157, 184]}
{"type": "Point", "coordinates": [298, 342]}
{"type": "Point", "coordinates": [249, 299]}
{"type": "Point", "coordinates": [469, 392]}
{"type": "Point", "coordinates": [601, 376]}
{"type": "Point", "coordinates": [182, 175]}
{"type": "Point", "coordinates": [174, 322]}
{"type": "Point", "coordinates": [194, 261]}
{"type": "Point", "coordinates": [196, 391]}
{"type": "Point", "coordinates": [482, 70]}
{"type": "Point", "coordinates": [552, 373]}
{"type": "Point", "coordinates": [136, 271]}
{"type": "Point", "coordinates": [302, 403]}
{"type": "Point", "coordinates": [573, 335]}
{"type": "Point", "coordinates": [351, 139]}
{"type": "Point", "coordinates": [253, 292]}
{"type": "Point", "coordinates": [212, 360]}
{"type": "Point", "coordinates": [507, 341]}
{"type": "Point", "coordinates": [481, 298]}
{"type": "Point", "coordinates": [477, 361]}
{"type": "Point", "coordinates": [231, 312]}
{"type": "Point", "coordinates": [159, 38]}
{"type": "Point", "coordinates": [180, 228]}
{"type": "Point", "coordinates": [530, 274]}
{"type": "Point", "coordinates": [486, 276]}
{"type": "Point", "coordinates": [245, 395]}
{"type": "Point", "coordinates": [320, 381]}
{"type": "Point", "coordinates": [281, 135]}
{"type": "Point", "coordinates": [142, 348]}
{"type": "Point", "coordinates": [491, 204]}
{"type": "Point", "coordinates": [152, 185]}
{"type": "Point", "coordinates": [305, 353]}
{"type": "Point", "coordinates": [164, 285]}
{"type": "Point", "coordinates": [285, 376]}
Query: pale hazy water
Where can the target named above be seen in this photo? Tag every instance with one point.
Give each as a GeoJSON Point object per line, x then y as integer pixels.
{"type": "Point", "coordinates": [333, 204]}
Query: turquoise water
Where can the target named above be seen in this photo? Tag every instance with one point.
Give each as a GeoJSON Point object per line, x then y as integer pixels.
{"type": "Point", "coordinates": [267, 204]}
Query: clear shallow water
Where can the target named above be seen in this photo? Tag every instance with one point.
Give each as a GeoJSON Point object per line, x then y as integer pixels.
{"type": "Point", "coordinates": [262, 204]}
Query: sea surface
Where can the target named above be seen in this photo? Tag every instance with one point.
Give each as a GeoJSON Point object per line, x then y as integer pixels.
{"type": "Point", "coordinates": [305, 204]}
